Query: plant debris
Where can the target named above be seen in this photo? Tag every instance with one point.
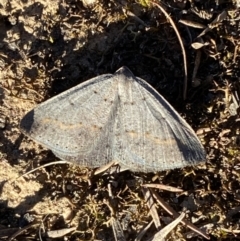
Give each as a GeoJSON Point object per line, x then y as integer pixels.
{"type": "Point", "coordinates": [47, 47]}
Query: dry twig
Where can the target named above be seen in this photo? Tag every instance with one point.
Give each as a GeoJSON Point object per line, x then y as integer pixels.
{"type": "Point", "coordinates": [182, 47]}
{"type": "Point", "coordinates": [161, 235]}
{"type": "Point", "coordinates": [171, 211]}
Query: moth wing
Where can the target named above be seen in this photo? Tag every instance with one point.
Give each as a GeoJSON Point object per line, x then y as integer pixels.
{"type": "Point", "coordinates": [153, 135]}
{"type": "Point", "coordinates": [76, 125]}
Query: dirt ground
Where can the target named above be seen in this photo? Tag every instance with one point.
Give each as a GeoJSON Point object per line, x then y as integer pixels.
{"type": "Point", "coordinates": [47, 47]}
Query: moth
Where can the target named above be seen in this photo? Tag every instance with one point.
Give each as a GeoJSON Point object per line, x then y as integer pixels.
{"type": "Point", "coordinates": [114, 117]}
